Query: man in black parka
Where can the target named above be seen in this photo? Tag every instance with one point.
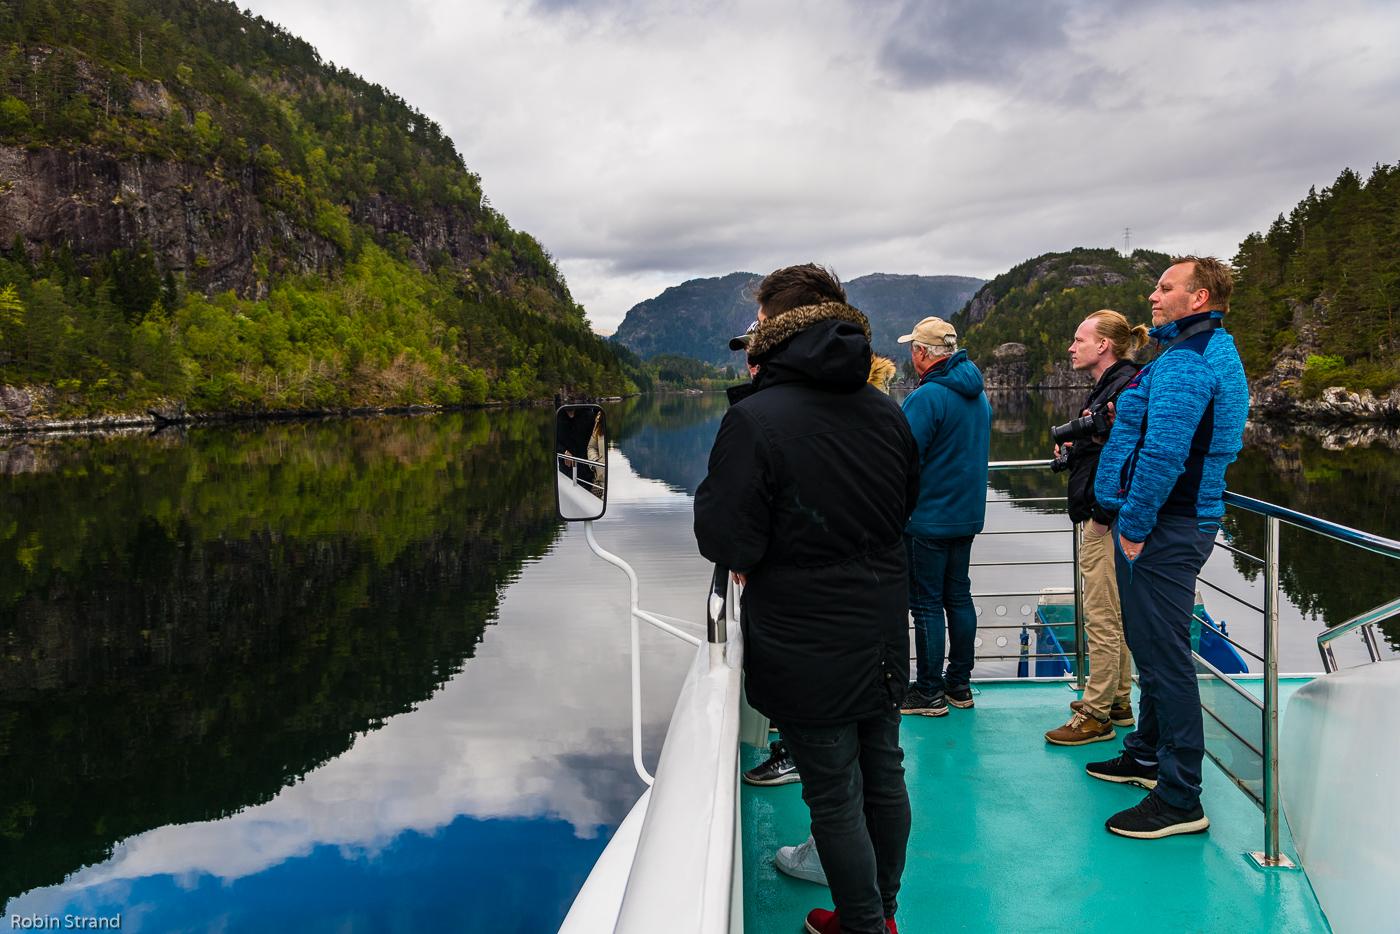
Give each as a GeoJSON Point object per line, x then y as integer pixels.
{"type": "Point", "coordinates": [812, 478]}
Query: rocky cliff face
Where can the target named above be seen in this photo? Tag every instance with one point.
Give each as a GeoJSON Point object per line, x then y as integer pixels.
{"type": "Point", "coordinates": [1010, 369]}
{"type": "Point", "coordinates": [1278, 394]}
{"type": "Point", "coordinates": [208, 227]}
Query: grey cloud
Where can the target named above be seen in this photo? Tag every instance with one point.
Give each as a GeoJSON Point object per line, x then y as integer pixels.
{"type": "Point", "coordinates": [970, 40]}
{"type": "Point", "coordinates": [649, 141]}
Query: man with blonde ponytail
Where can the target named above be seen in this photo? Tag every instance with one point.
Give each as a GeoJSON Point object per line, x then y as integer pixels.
{"type": "Point", "coordinates": [1103, 346]}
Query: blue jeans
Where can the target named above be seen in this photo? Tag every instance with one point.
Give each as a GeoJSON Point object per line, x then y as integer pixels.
{"type": "Point", "coordinates": [1158, 593]}
{"type": "Point", "coordinates": [853, 783]}
{"type": "Point", "coordinates": [939, 583]}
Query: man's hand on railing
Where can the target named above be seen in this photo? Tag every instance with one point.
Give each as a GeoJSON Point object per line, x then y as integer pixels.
{"type": "Point", "coordinates": [741, 579]}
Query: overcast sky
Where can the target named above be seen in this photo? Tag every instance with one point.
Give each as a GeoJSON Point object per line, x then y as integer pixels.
{"type": "Point", "coordinates": [645, 142]}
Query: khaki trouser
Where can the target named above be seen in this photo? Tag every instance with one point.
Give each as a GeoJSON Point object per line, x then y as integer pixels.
{"type": "Point", "coordinates": [1110, 665]}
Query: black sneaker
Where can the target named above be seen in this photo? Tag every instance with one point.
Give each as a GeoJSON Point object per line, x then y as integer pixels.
{"type": "Point", "coordinates": [777, 769]}
{"type": "Point", "coordinates": [1125, 770]}
{"type": "Point", "coordinates": [960, 696]}
{"type": "Point", "coordinates": [1153, 818]}
{"type": "Point", "coordinates": [927, 705]}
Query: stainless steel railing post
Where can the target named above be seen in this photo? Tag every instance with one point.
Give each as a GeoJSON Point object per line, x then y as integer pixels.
{"type": "Point", "coordinates": [1271, 801]}
{"type": "Point", "coordinates": [1373, 649]}
{"type": "Point", "coordinates": [1079, 640]}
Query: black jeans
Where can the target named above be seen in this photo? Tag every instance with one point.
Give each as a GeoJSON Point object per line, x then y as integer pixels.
{"type": "Point", "coordinates": [853, 783]}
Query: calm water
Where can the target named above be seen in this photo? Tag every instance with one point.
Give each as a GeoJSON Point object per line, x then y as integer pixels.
{"type": "Point", "coordinates": [354, 676]}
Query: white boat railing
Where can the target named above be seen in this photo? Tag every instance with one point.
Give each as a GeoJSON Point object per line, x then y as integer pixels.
{"type": "Point", "coordinates": [675, 864]}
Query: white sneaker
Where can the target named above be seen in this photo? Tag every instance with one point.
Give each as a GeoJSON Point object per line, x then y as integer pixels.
{"type": "Point", "coordinates": [801, 862]}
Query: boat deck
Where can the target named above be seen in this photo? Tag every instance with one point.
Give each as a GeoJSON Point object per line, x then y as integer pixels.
{"type": "Point", "coordinates": [1008, 835]}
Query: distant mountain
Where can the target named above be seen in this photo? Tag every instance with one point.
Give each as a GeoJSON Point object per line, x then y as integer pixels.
{"type": "Point", "coordinates": [894, 304]}
{"type": "Point", "coordinates": [697, 318]}
{"type": "Point", "coordinates": [694, 319]}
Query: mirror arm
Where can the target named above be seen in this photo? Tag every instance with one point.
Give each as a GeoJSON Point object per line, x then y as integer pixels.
{"type": "Point", "coordinates": [716, 620]}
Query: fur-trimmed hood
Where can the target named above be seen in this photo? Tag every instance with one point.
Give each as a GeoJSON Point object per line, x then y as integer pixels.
{"type": "Point", "coordinates": [825, 345]}
{"type": "Point", "coordinates": [773, 331]}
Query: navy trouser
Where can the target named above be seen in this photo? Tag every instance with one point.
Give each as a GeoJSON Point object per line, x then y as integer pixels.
{"type": "Point", "coordinates": [853, 783]}
{"type": "Point", "coordinates": [1158, 594]}
{"type": "Point", "coordinates": [939, 582]}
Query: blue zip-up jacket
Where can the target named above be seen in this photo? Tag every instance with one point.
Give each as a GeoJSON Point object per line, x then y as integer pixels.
{"type": "Point", "coordinates": [952, 425]}
{"type": "Point", "coordinates": [1179, 424]}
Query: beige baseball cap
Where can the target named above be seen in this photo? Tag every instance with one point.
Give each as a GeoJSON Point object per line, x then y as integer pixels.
{"type": "Point", "coordinates": [935, 332]}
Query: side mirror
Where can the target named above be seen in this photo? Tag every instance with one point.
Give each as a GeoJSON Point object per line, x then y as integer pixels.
{"type": "Point", "coordinates": [580, 462]}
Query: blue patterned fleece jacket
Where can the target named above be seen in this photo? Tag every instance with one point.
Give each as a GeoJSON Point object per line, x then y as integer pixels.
{"type": "Point", "coordinates": [1179, 424]}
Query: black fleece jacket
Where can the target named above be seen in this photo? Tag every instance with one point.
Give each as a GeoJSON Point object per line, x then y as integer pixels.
{"type": "Point", "coordinates": [1084, 454]}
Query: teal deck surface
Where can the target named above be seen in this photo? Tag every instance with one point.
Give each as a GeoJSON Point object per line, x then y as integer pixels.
{"type": "Point", "coordinates": [1009, 835]}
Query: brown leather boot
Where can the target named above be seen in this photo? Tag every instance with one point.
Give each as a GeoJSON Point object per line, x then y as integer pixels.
{"type": "Point", "coordinates": [1118, 714]}
{"type": "Point", "coordinates": [1081, 730]}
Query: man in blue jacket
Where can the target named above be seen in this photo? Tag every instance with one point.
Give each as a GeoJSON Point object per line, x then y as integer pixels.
{"type": "Point", "coordinates": [1178, 425]}
{"type": "Point", "coordinates": [951, 421]}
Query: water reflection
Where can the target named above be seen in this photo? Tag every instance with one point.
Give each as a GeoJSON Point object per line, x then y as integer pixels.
{"type": "Point", "coordinates": [669, 437]}
{"type": "Point", "coordinates": [240, 662]}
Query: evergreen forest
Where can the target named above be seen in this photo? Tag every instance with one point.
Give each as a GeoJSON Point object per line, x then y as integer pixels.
{"type": "Point", "coordinates": [1325, 279]}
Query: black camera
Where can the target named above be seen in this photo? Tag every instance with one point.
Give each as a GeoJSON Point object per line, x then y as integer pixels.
{"type": "Point", "coordinates": [1086, 426]}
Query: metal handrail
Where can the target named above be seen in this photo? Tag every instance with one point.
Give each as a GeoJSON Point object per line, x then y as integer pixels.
{"type": "Point", "coordinates": [1342, 533]}
{"type": "Point", "coordinates": [1246, 650]}
{"type": "Point", "coordinates": [573, 462]}
{"type": "Point", "coordinates": [1371, 617]}
{"type": "Point", "coordinates": [1080, 642]}
{"type": "Point", "coordinates": [1366, 622]}
{"type": "Point", "coordinates": [1274, 515]}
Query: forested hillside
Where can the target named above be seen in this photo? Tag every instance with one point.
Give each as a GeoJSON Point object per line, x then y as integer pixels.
{"type": "Point", "coordinates": [197, 208]}
{"type": "Point", "coordinates": [1320, 290]}
{"type": "Point", "coordinates": [1039, 303]}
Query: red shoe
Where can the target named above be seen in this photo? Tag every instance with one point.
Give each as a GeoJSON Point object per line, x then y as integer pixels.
{"type": "Point", "coordinates": [821, 921]}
